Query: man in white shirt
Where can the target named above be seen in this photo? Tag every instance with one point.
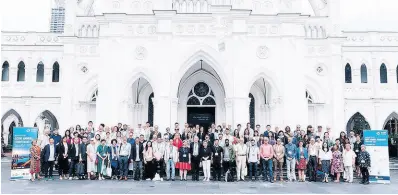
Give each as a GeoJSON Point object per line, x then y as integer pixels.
{"type": "Point", "coordinates": [241, 152]}
{"type": "Point", "coordinates": [158, 151]}
{"type": "Point", "coordinates": [349, 162]}
{"type": "Point", "coordinates": [170, 158]}
{"type": "Point", "coordinates": [313, 152]}
{"type": "Point", "coordinates": [124, 156]}
{"type": "Point", "coordinates": [253, 156]}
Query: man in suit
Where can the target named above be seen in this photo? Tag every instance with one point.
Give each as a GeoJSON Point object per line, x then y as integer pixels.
{"type": "Point", "coordinates": [195, 158]}
{"type": "Point", "coordinates": [217, 156]}
{"type": "Point", "coordinates": [49, 159]}
{"type": "Point", "coordinates": [136, 158]}
{"type": "Point", "coordinates": [74, 157]}
{"type": "Point", "coordinates": [83, 154]}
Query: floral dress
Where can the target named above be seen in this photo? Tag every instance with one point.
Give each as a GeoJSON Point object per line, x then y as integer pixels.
{"type": "Point", "coordinates": [337, 162]}
{"type": "Point", "coordinates": [35, 159]}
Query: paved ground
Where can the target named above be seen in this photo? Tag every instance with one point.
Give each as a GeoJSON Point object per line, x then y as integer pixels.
{"type": "Point", "coordinates": [188, 187]}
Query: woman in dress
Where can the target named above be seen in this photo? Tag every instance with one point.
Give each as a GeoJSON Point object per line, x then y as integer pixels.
{"type": "Point", "coordinates": [62, 151]}
{"type": "Point", "coordinates": [325, 155]}
{"type": "Point", "coordinates": [302, 159]}
{"type": "Point", "coordinates": [68, 136]}
{"type": "Point", "coordinates": [184, 160]}
{"type": "Point", "coordinates": [91, 158]}
{"type": "Point", "coordinates": [148, 161]}
{"type": "Point", "coordinates": [102, 155]}
{"type": "Point", "coordinates": [114, 156]}
{"type": "Point", "coordinates": [34, 161]}
{"type": "Point", "coordinates": [205, 155]}
{"type": "Point", "coordinates": [177, 142]}
{"type": "Point", "coordinates": [337, 162]}
{"type": "Point", "coordinates": [357, 149]}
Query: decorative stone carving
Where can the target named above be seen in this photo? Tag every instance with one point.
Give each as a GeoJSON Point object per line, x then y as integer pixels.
{"type": "Point", "coordinates": [83, 49]}
{"type": "Point", "coordinates": [84, 69]}
{"type": "Point", "coordinates": [321, 69]}
{"type": "Point", "coordinates": [202, 28]}
{"type": "Point", "coordinates": [8, 38]}
{"type": "Point", "coordinates": [140, 29]}
{"type": "Point", "coordinates": [42, 39]}
{"type": "Point", "coordinates": [263, 29]}
{"type": "Point", "coordinates": [22, 38]}
{"type": "Point", "coordinates": [274, 29]}
{"type": "Point", "coordinates": [140, 53]}
{"type": "Point", "coordinates": [262, 52]}
{"type": "Point", "coordinates": [93, 49]}
{"type": "Point", "coordinates": [251, 29]}
{"type": "Point", "coordinates": [152, 29]}
{"type": "Point", "coordinates": [190, 29]}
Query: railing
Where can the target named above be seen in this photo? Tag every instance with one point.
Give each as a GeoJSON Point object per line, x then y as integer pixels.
{"type": "Point", "coordinates": [191, 6]}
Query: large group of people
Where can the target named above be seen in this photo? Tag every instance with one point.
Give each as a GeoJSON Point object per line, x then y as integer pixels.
{"type": "Point", "coordinates": [242, 154]}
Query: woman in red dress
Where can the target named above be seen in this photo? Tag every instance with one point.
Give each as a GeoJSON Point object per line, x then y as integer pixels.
{"type": "Point", "coordinates": [35, 161]}
{"type": "Point", "coordinates": [184, 160]}
{"type": "Point", "coordinates": [177, 142]}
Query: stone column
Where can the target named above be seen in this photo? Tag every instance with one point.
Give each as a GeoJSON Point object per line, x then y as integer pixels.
{"type": "Point", "coordinates": [229, 111]}
{"type": "Point", "coordinates": [336, 77]}
{"type": "Point", "coordinates": [173, 112]}
{"type": "Point", "coordinates": [162, 112]}
{"type": "Point", "coordinates": [295, 108]}
{"type": "Point", "coordinates": [137, 108]}
{"type": "Point", "coordinates": [241, 111]}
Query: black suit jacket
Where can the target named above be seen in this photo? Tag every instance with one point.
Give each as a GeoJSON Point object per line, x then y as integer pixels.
{"type": "Point", "coordinates": [134, 152]}
{"type": "Point", "coordinates": [72, 152]}
{"type": "Point", "coordinates": [192, 148]}
{"type": "Point", "coordinates": [46, 151]}
{"type": "Point", "coordinates": [61, 150]}
{"type": "Point", "coordinates": [201, 136]}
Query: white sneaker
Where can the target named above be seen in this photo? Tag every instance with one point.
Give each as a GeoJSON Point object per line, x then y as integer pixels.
{"type": "Point", "coordinates": [205, 179]}
{"type": "Point", "coordinates": [208, 179]}
{"type": "Point", "coordinates": [70, 178]}
{"type": "Point", "coordinates": [161, 179]}
{"type": "Point", "coordinates": [148, 179]}
{"type": "Point", "coordinates": [99, 178]}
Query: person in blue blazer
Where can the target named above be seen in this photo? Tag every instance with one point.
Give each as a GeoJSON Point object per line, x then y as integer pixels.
{"type": "Point", "coordinates": [302, 159]}
{"type": "Point", "coordinates": [50, 155]}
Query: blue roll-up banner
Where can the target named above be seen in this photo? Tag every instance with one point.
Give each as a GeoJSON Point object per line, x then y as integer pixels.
{"type": "Point", "coordinates": [376, 142]}
{"type": "Point", "coordinates": [22, 142]}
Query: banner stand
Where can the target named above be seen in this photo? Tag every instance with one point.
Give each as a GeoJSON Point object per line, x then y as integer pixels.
{"type": "Point", "coordinates": [20, 158]}
{"type": "Point", "coordinates": [376, 142]}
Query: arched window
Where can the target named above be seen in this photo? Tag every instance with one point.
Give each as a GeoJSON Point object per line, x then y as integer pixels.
{"type": "Point", "coordinates": [40, 72]}
{"type": "Point", "coordinates": [94, 96]}
{"type": "Point", "coordinates": [397, 73]}
{"type": "Point", "coordinates": [383, 73]}
{"type": "Point", "coordinates": [364, 74]}
{"type": "Point", "coordinates": [150, 109]}
{"type": "Point", "coordinates": [5, 72]}
{"type": "Point", "coordinates": [252, 110]}
{"type": "Point", "coordinates": [309, 97]}
{"type": "Point", "coordinates": [21, 72]}
{"type": "Point", "coordinates": [348, 76]}
{"type": "Point", "coordinates": [55, 72]}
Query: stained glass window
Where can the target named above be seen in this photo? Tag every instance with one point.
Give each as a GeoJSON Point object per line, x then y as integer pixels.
{"type": "Point", "coordinates": [383, 73]}
{"type": "Point", "coordinates": [211, 93]}
{"type": "Point", "coordinates": [348, 76]}
{"type": "Point", "coordinates": [364, 74]}
{"type": "Point", "coordinates": [6, 71]}
{"type": "Point", "coordinates": [40, 72]}
{"type": "Point", "coordinates": [201, 89]}
{"type": "Point", "coordinates": [190, 93]}
{"type": "Point", "coordinates": [193, 101]}
{"type": "Point", "coordinates": [209, 101]}
{"type": "Point", "coordinates": [150, 109]}
{"type": "Point", "coordinates": [252, 110]}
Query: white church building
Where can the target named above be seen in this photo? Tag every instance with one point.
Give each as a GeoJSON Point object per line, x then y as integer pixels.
{"type": "Point", "coordinates": [200, 61]}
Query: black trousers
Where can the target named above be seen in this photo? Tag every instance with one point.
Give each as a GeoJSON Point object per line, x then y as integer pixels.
{"type": "Point", "coordinates": [63, 166]}
{"type": "Point", "coordinates": [85, 167]}
{"type": "Point", "coordinates": [195, 167]}
{"type": "Point", "coordinates": [159, 167]}
{"type": "Point", "coordinates": [365, 174]}
{"type": "Point", "coordinates": [312, 165]}
{"type": "Point", "coordinates": [48, 167]}
{"type": "Point", "coordinates": [150, 169]}
{"type": "Point", "coordinates": [217, 170]}
{"type": "Point", "coordinates": [72, 168]}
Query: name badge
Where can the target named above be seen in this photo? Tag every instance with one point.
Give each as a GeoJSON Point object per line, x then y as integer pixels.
{"type": "Point", "coordinates": [216, 154]}
{"type": "Point", "coordinates": [200, 140]}
{"type": "Point", "coordinates": [362, 161]}
{"type": "Point", "coordinates": [184, 155]}
{"type": "Point", "coordinates": [289, 152]}
{"type": "Point", "coordinates": [356, 150]}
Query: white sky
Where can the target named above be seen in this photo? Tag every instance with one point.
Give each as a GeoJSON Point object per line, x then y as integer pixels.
{"type": "Point", "coordinates": [382, 15]}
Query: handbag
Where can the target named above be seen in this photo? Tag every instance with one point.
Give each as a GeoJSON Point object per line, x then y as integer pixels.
{"type": "Point", "coordinates": [109, 170]}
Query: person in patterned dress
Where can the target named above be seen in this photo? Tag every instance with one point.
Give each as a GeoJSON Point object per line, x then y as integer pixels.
{"type": "Point", "coordinates": [337, 162]}
{"type": "Point", "coordinates": [364, 164]}
{"type": "Point", "coordinates": [34, 161]}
